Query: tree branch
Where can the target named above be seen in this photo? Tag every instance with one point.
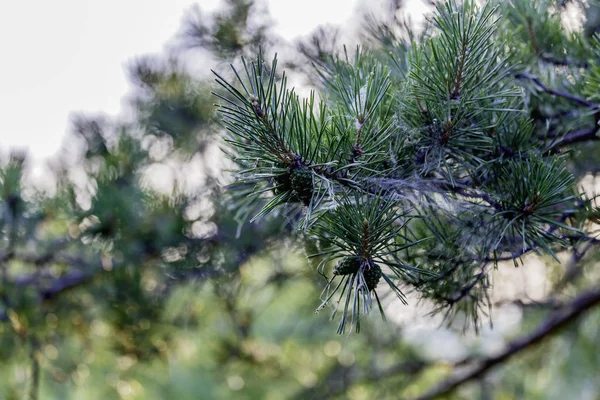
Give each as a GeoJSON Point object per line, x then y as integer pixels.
{"type": "Point", "coordinates": [571, 270]}
{"type": "Point", "coordinates": [68, 281]}
{"type": "Point", "coordinates": [340, 378]}
{"type": "Point", "coordinates": [34, 388]}
{"type": "Point", "coordinates": [553, 324]}
{"type": "Point", "coordinates": [578, 136]}
{"type": "Point", "coordinates": [554, 92]}
{"type": "Point", "coordinates": [551, 59]}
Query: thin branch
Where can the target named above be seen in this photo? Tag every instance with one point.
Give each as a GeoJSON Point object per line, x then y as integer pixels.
{"type": "Point", "coordinates": [34, 387]}
{"type": "Point", "coordinates": [68, 281]}
{"type": "Point", "coordinates": [478, 195]}
{"type": "Point", "coordinates": [578, 136]}
{"type": "Point", "coordinates": [554, 92]}
{"type": "Point", "coordinates": [465, 290]}
{"type": "Point", "coordinates": [340, 378]}
{"type": "Point", "coordinates": [84, 272]}
{"type": "Point", "coordinates": [571, 270]}
{"type": "Point", "coordinates": [549, 304]}
{"type": "Point", "coordinates": [551, 59]}
{"type": "Point", "coordinates": [552, 325]}
{"type": "Point", "coordinates": [531, 33]}
{"type": "Point", "coordinates": [47, 256]}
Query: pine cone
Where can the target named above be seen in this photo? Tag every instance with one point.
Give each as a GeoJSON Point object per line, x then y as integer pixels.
{"type": "Point", "coordinates": [347, 266]}
{"type": "Point", "coordinates": [372, 276]}
{"type": "Point", "coordinates": [302, 184]}
{"type": "Point", "coordinates": [282, 183]}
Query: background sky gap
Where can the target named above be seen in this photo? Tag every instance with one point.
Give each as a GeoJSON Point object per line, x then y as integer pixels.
{"type": "Point", "coordinates": [69, 56]}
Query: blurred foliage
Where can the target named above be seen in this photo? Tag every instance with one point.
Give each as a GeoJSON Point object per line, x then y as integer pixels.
{"type": "Point", "coordinates": [238, 27]}
{"type": "Point", "coordinates": [133, 277]}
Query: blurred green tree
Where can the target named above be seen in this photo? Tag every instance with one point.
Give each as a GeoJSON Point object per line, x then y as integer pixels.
{"type": "Point", "coordinates": [431, 160]}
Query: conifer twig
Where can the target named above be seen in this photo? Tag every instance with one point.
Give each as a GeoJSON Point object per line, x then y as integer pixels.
{"type": "Point", "coordinates": [578, 136]}
{"type": "Point", "coordinates": [554, 92]}
{"type": "Point", "coordinates": [551, 59]}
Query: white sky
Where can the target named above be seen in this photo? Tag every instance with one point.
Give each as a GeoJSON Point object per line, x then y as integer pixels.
{"type": "Point", "coordinates": [64, 56]}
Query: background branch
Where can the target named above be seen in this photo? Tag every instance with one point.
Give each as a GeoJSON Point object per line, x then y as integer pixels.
{"type": "Point", "coordinates": [578, 136]}
{"type": "Point", "coordinates": [554, 92]}
{"type": "Point", "coordinates": [550, 326]}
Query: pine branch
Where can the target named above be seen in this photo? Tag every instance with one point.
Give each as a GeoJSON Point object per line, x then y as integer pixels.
{"type": "Point", "coordinates": [549, 304]}
{"type": "Point", "coordinates": [46, 257]}
{"type": "Point", "coordinates": [555, 92]}
{"type": "Point", "coordinates": [531, 33]}
{"type": "Point", "coordinates": [578, 136]}
{"type": "Point", "coordinates": [551, 59]}
{"type": "Point", "coordinates": [465, 290]}
{"type": "Point", "coordinates": [340, 378]}
{"type": "Point", "coordinates": [34, 357]}
{"type": "Point", "coordinates": [83, 273]}
{"type": "Point", "coordinates": [550, 326]}
{"type": "Point", "coordinates": [451, 131]}
{"type": "Point", "coordinates": [477, 195]}
{"type": "Point", "coordinates": [571, 269]}
{"type": "Point", "coordinates": [68, 281]}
